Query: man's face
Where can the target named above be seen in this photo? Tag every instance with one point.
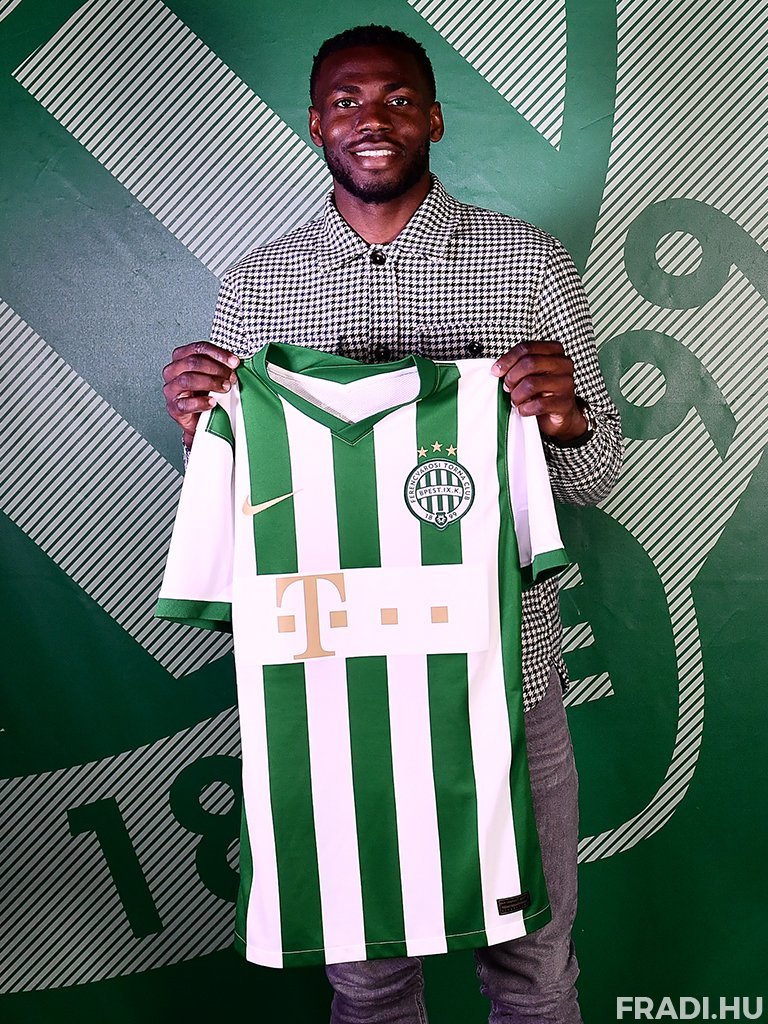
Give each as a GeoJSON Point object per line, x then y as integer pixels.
{"type": "Point", "coordinates": [374, 117]}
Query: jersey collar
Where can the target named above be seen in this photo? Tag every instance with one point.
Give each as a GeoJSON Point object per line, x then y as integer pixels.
{"type": "Point", "coordinates": [331, 366]}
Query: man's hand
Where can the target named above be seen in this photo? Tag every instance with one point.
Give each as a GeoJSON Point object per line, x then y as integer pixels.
{"type": "Point", "coordinates": [539, 378]}
{"type": "Point", "coordinates": [195, 370]}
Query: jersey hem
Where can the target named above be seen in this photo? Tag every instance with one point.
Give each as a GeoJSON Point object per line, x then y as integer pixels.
{"type": "Point", "coordinates": [431, 946]}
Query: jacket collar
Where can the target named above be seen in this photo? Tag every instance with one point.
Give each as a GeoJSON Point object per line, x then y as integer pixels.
{"type": "Point", "coordinates": [428, 233]}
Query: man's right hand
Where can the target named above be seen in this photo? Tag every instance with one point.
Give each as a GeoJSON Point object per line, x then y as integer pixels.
{"type": "Point", "coordinates": [195, 370]}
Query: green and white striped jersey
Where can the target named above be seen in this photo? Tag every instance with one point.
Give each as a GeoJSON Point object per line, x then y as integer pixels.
{"type": "Point", "coordinates": [365, 531]}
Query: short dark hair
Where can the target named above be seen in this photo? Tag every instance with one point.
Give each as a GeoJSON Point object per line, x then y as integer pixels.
{"type": "Point", "coordinates": [373, 35]}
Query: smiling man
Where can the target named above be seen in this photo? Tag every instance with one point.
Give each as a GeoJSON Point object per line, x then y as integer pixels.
{"type": "Point", "coordinates": [374, 115]}
{"type": "Point", "coordinates": [395, 266]}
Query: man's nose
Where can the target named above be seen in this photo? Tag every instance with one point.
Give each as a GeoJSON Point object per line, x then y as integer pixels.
{"type": "Point", "coordinates": [374, 116]}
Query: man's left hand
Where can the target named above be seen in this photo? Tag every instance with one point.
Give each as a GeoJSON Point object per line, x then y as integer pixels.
{"type": "Point", "coordinates": [539, 378]}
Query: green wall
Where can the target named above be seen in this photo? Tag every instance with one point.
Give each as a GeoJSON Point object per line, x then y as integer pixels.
{"type": "Point", "coordinates": [145, 146]}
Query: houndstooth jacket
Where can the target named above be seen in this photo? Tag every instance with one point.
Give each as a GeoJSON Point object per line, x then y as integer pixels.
{"type": "Point", "coordinates": [457, 282]}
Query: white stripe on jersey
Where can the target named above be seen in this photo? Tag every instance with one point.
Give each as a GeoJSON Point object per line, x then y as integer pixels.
{"type": "Point", "coordinates": [415, 806]}
{"type": "Point", "coordinates": [333, 803]}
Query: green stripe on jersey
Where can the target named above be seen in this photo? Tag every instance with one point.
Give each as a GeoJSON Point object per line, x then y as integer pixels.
{"type": "Point", "coordinates": [368, 698]}
{"type": "Point", "coordinates": [357, 514]}
{"type": "Point", "coordinates": [456, 798]}
{"type": "Point", "coordinates": [269, 470]}
{"type": "Point", "coordinates": [290, 787]}
{"type": "Point", "coordinates": [375, 813]}
{"type": "Point", "coordinates": [285, 698]}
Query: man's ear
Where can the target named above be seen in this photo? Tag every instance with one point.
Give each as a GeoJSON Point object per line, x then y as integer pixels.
{"type": "Point", "coordinates": [436, 124]}
{"type": "Point", "coordinates": [315, 131]}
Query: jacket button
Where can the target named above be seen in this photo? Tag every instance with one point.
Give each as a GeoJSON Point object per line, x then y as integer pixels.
{"type": "Point", "coordinates": [378, 258]}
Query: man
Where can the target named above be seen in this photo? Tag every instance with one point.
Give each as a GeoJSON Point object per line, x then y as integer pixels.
{"type": "Point", "coordinates": [396, 265]}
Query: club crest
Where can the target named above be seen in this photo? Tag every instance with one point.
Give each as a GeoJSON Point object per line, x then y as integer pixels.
{"type": "Point", "coordinates": [440, 492]}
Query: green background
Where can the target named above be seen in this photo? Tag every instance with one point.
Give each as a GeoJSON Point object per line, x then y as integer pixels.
{"type": "Point", "coordinates": [112, 291]}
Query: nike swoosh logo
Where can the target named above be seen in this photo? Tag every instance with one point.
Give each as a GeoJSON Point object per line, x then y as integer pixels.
{"type": "Point", "coordinates": [253, 510]}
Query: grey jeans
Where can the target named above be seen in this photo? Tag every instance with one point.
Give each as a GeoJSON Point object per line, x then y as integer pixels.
{"type": "Point", "coordinates": [529, 980]}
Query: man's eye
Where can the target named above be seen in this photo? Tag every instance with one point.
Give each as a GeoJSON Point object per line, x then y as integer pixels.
{"type": "Point", "coordinates": [344, 103]}
{"type": "Point", "coordinates": [399, 101]}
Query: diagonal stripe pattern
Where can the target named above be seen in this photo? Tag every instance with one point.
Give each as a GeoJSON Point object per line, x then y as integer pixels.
{"type": "Point", "coordinates": [690, 91]}
{"type": "Point", "coordinates": [518, 47]}
{"type": "Point", "coordinates": [62, 919]}
{"type": "Point", "coordinates": [679, 253]}
{"type": "Point", "coordinates": [577, 637]}
{"type": "Point", "coordinates": [643, 384]}
{"type": "Point", "coordinates": [99, 500]}
{"type": "Point", "coordinates": [176, 127]}
{"type": "Point", "coordinates": [7, 6]}
{"type": "Point", "coordinates": [570, 577]}
{"type": "Point", "coordinates": [589, 688]}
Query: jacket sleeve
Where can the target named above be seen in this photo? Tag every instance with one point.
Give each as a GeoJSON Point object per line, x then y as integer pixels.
{"type": "Point", "coordinates": [228, 329]}
{"type": "Point", "coordinates": [584, 471]}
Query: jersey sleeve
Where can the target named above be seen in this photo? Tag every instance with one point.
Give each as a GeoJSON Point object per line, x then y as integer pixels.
{"type": "Point", "coordinates": [197, 585]}
{"type": "Point", "coordinates": [539, 543]}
